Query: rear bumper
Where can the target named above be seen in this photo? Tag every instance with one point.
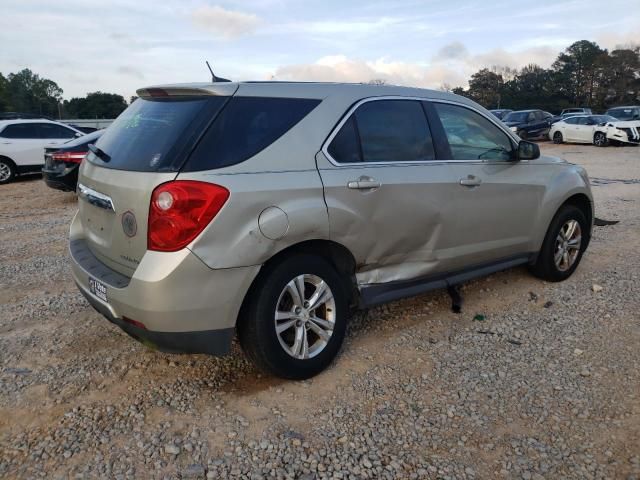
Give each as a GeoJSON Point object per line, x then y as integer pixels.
{"type": "Point", "coordinates": [65, 180]}
{"type": "Point", "coordinates": [212, 342]}
{"type": "Point", "coordinates": [184, 305]}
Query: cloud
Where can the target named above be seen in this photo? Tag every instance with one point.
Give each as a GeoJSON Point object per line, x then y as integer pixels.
{"type": "Point", "coordinates": [130, 71]}
{"type": "Point", "coordinates": [224, 23]}
{"type": "Point", "coordinates": [453, 64]}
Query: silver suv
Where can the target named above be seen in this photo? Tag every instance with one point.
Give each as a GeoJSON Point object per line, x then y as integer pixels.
{"type": "Point", "coordinates": [272, 210]}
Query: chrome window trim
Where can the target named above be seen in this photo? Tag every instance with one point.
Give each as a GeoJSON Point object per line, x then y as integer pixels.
{"type": "Point", "coordinates": [95, 198]}
{"type": "Point", "coordinates": [347, 116]}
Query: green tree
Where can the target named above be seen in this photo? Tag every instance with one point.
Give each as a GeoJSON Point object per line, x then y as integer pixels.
{"type": "Point", "coordinates": [95, 105]}
{"type": "Point", "coordinates": [576, 70]}
{"type": "Point", "coordinates": [485, 88]}
{"type": "Point", "coordinates": [624, 76]}
{"type": "Point", "coordinates": [27, 92]}
{"type": "Point", "coordinates": [4, 93]}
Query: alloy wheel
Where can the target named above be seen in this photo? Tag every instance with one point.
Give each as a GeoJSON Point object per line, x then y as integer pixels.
{"type": "Point", "coordinates": [5, 172]}
{"type": "Point", "coordinates": [305, 316]}
{"type": "Point", "coordinates": [567, 246]}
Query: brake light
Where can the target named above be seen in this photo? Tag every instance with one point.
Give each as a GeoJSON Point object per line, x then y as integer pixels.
{"type": "Point", "coordinates": [71, 157]}
{"type": "Point", "coordinates": [180, 210]}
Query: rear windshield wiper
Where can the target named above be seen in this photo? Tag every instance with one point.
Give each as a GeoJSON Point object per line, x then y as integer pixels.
{"type": "Point", "coordinates": [99, 153]}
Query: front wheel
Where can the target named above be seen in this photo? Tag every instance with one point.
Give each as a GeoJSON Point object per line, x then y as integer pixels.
{"type": "Point", "coordinates": [557, 138]}
{"type": "Point", "coordinates": [563, 246]}
{"type": "Point", "coordinates": [295, 317]}
{"type": "Point", "coordinates": [7, 171]}
{"type": "Point", "coordinates": [600, 139]}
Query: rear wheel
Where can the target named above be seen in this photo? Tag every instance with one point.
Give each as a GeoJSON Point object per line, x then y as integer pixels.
{"type": "Point", "coordinates": [557, 138]}
{"type": "Point", "coordinates": [294, 320]}
{"type": "Point", "coordinates": [600, 139]}
{"type": "Point", "coordinates": [7, 170]}
{"type": "Point", "coordinates": [563, 245]}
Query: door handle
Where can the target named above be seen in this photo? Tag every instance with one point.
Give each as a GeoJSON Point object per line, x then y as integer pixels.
{"type": "Point", "coordinates": [470, 181]}
{"type": "Point", "coordinates": [363, 183]}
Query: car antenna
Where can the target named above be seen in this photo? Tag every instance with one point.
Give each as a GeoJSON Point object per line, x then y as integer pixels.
{"type": "Point", "coordinates": [213, 76]}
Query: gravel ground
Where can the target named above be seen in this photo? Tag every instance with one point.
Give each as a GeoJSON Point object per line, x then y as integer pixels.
{"type": "Point", "coordinates": [546, 386]}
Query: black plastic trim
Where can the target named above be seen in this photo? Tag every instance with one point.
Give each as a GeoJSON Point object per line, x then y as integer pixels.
{"type": "Point", "coordinates": [84, 257]}
{"type": "Point", "coordinates": [212, 342]}
{"type": "Point", "coordinates": [375, 294]}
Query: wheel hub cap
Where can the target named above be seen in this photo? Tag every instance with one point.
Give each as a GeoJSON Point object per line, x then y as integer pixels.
{"type": "Point", "coordinates": [567, 246]}
{"type": "Point", "coordinates": [305, 316]}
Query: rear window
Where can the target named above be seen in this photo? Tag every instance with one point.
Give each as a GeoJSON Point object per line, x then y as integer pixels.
{"type": "Point", "coordinates": [154, 135]}
{"type": "Point", "coordinates": [245, 127]}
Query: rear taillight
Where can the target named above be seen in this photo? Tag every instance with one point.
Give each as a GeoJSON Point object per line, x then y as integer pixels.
{"type": "Point", "coordinates": [71, 157]}
{"type": "Point", "coordinates": [180, 210]}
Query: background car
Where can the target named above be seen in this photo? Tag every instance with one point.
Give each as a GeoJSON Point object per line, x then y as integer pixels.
{"type": "Point", "coordinates": [61, 165]}
{"type": "Point", "coordinates": [83, 129]}
{"type": "Point", "coordinates": [597, 129]}
{"type": "Point", "coordinates": [22, 144]}
{"type": "Point", "coordinates": [625, 113]}
{"type": "Point", "coordinates": [576, 111]}
{"type": "Point", "coordinates": [501, 113]}
{"type": "Point", "coordinates": [528, 123]}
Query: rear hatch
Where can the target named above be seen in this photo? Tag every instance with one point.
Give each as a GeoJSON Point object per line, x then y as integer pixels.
{"type": "Point", "coordinates": [143, 148]}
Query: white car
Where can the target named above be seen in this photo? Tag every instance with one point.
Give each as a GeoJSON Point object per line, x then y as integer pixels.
{"type": "Point", "coordinates": [597, 129]}
{"type": "Point", "coordinates": [22, 144]}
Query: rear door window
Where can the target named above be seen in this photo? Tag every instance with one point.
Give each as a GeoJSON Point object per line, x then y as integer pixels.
{"type": "Point", "coordinates": [245, 127]}
{"type": "Point", "coordinates": [471, 136]}
{"type": "Point", "coordinates": [384, 131]}
{"type": "Point", "coordinates": [51, 130]}
{"type": "Point", "coordinates": [21, 130]}
{"type": "Point", "coordinates": [156, 134]}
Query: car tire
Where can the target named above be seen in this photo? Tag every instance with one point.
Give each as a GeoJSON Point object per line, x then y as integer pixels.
{"type": "Point", "coordinates": [523, 134]}
{"type": "Point", "coordinates": [286, 336]}
{"type": "Point", "coordinates": [600, 139]}
{"type": "Point", "coordinates": [563, 246]}
{"type": "Point", "coordinates": [557, 138]}
{"type": "Point", "coordinates": [7, 170]}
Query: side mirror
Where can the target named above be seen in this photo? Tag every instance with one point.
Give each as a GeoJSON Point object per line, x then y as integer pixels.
{"type": "Point", "coordinates": [78, 135]}
{"type": "Point", "coordinates": [528, 150]}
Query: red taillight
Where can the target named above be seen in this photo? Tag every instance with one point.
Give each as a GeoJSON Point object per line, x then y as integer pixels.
{"type": "Point", "coordinates": [71, 157]}
{"type": "Point", "coordinates": [180, 210]}
{"type": "Point", "coordinates": [135, 323]}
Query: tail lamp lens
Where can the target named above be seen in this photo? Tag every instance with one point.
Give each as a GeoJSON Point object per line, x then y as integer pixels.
{"type": "Point", "coordinates": [180, 210]}
{"type": "Point", "coordinates": [70, 157]}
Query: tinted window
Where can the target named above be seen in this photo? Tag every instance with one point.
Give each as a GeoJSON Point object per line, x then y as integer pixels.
{"type": "Point", "coordinates": [571, 120]}
{"type": "Point", "coordinates": [625, 113]}
{"type": "Point", "coordinates": [21, 130]}
{"type": "Point", "coordinates": [246, 126]}
{"type": "Point", "coordinates": [471, 136]}
{"type": "Point", "coordinates": [516, 117]}
{"type": "Point", "coordinates": [51, 130]}
{"type": "Point", "coordinates": [345, 146]}
{"type": "Point", "coordinates": [393, 131]}
{"type": "Point", "coordinates": [156, 134]}
{"type": "Point", "coordinates": [584, 121]}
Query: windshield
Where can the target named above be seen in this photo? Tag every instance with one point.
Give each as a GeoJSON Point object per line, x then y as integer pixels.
{"type": "Point", "coordinates": [516, 117]}
{"type": "Point", "coordinates": [154, 135]}
{"type": "Point", "coordinates": [624, 113]}
{"type": "Point", "coordinates": [603, 118]}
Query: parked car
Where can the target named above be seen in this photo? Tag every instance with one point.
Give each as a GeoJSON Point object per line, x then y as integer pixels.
{"type": "Point", "coordinates": [528, 123]}
{"type": "Point", "coordinates": [302, 201]}
{"type": "Point", "coordinates": [500, 113]}
{"type": "Point", "coordinates": [22, 144]}
{"type": "Point", "coordinates": [575, 111]}
{"type": "Point", "coordinates": [61, 163]}
{"type": "Point", "coordinates": [597, 129]}
{"type": "Point", "coordinates": [625, 113]}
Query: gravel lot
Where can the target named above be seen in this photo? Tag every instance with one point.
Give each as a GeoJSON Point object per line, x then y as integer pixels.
{"type": "Point", "coordinates": [546, 386]}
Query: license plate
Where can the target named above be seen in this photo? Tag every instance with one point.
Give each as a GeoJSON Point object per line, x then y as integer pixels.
{"type": "Point", "coordinates": [98, 288]}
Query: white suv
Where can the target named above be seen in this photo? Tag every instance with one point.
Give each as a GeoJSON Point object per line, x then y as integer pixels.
{"type": "Point", "coordinates": [22, 144]}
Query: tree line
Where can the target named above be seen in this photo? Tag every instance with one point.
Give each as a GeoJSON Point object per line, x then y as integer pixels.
{"type": "Point", "coordinates": [27, 93]}
{"type": "Point", "coordinates": [583, 75]}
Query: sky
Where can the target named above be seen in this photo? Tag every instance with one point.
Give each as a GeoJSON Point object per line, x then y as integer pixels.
{"type": "Point", "coordinates": [118, 46]}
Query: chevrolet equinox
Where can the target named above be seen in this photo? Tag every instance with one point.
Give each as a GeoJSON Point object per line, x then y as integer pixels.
{"type": "Point", "coordinates": [273, 210]}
